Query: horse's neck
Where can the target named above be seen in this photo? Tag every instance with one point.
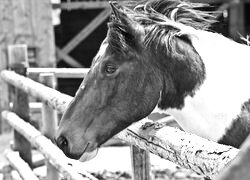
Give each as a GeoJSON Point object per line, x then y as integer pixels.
{"type": "Point", "coordinates": [217, 103]}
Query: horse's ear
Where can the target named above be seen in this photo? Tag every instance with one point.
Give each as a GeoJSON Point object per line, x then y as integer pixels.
{"type": "Point", "coordinates": [121, 14]}
{"type": "Point", "coordinates": [115, 9]}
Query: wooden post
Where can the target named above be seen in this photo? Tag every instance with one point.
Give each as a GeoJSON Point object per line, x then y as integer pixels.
{"type": "Point", "coordinates": [18, 59]}
{"type": "Point", "coordinates": [140, 163]}
{"type": "Point", "coordinates": [5, 34]}
{"type": "Point", "coordinates": [49, 122]}
{"type": "Point", "coordinates": [237, 20]}
{"type": "Point", "coordinates": [4, 92]}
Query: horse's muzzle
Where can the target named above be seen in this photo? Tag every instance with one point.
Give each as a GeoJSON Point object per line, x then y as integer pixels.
{"type": "Point", "coordinates": [86, 155]}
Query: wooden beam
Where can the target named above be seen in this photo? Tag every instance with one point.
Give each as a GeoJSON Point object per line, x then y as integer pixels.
{"type": "Point", "coordinates": [86, 31]}
{"type": "Point", "coordinates": [68, 59]}
{"type": "Point", "coordinates": [83, 5]}
{"type": "Point", "coordinates": [60, 72]}
{"type": "Point", "coordinates": [140, 163]}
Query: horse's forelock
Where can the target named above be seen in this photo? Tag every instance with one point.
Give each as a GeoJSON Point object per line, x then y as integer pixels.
{"type": "Point", "coordinates": [115, 36]}
{"type": "Point", "coordinates": [122, 37]}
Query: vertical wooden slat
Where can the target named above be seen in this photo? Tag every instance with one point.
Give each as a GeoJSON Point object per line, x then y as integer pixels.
{"type": "Point", "coordinates": [49, 122]}
{"type": "Point", "coordinates": [140, 163]}
{"type": "Point", "coordinates": [18, 59]}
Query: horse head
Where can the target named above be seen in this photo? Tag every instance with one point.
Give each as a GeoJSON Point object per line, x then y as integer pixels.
{"type": "Point", "coordinates": [140, 64]}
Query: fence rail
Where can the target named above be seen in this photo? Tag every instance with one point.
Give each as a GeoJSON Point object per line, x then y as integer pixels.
{"type": "Point", "coordinates": [45, 146]}
{"type": "Point", "coordinates": [52, 97]}
{"type": "Point", "coordinates": [187, 150]}
{"type": "Point", "coordinates": [60, 72]}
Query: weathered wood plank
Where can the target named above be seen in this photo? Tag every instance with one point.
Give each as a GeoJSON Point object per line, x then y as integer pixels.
{"type": "Point", "coordinates": [20, 165]}
{"type": "Point", "coordinates": [18, 59]}
{"type": "Point", "coordinates": [45, 146]}
{"type": "Point", "coordinates": [187, 150]}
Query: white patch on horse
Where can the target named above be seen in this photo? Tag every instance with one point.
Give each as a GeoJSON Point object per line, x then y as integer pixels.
{"type": "Point", "coordinates": [102, 49]}
{"type": "Point", "coordinates": [219, 99]}
{"type": "Point", "coordinates": [99, 54]}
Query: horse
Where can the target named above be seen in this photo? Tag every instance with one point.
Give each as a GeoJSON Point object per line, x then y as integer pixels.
{"type": "Point", "coordinates": [160, 54]}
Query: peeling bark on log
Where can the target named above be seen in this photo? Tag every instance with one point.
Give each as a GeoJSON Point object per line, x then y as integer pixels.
{"type": "Point", "coordinates": [187, 150]}
{"type": "Point", "coordinates": [45, 146]}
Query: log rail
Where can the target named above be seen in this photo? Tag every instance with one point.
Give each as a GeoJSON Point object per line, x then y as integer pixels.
{"type": "Point", "coordinates": [187, 150]}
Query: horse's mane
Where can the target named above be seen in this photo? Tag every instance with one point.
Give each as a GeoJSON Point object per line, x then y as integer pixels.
{"type": "Point", "coordinates": [177, 10]}
{"type": "Point", "coordinates": [152, 14]}
{"type": "Point", "coordinates": [154, 25]}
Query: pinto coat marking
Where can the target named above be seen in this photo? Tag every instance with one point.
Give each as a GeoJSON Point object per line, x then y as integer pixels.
{"type": "Point", "coordinates": [217, 104]}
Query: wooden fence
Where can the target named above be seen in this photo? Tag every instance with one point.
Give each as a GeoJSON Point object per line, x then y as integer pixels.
{"type": "Point", "coordinates": [187, 150]}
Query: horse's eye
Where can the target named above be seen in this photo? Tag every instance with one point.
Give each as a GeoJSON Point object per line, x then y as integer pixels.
{"type": "Point", "coordinates": [110, 68]}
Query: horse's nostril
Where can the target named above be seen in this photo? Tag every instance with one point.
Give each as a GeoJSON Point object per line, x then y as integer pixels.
{"type": "Point", "coordinates": [62, 143]}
